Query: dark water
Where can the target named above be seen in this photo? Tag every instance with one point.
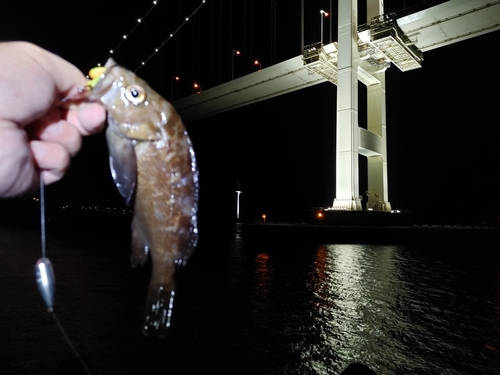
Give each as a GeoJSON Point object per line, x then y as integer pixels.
{"type": "Point", "coordinates": [256, 307]}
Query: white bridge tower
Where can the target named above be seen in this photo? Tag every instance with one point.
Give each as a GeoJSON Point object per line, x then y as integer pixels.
{"type": "Point", "coordinates": [362, 53]}
{"type": "Point", "coordinates": [352, 140]}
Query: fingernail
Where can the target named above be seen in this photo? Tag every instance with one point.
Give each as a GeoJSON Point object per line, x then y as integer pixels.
{"type": "Point", "coordinates": [38, 148]}
{"type": "Point", "coordinates": [52, 130]}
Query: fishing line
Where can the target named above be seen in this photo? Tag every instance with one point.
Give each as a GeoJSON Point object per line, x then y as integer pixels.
{"type": "Point", "coordinates": [42, 217]}
{"type": "Point", "coordinates": [70, 344]}
{"type": "Point", "coordinates": [45, 279]}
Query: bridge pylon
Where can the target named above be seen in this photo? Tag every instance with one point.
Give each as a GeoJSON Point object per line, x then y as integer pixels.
{"type": "Point", "coordinates": [352, 140]}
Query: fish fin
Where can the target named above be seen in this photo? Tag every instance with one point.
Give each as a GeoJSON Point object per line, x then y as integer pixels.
{"type": "Point", "coordinates": [159, 306]}
{"type": "Point", "coordinates": [140, 248]}
{"type": "Point", "coordinates": [122, 161]}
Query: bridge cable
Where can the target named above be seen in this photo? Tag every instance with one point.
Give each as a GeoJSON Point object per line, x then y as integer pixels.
{"type": "Point", "coordinates": [125, 36]}
{"type": "Point", "coordinates": [140, 21]}
{"type": "Point", "coordinates": [171, 35]}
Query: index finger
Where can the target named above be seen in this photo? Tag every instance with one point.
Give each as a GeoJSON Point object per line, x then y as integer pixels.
{"type": "Point", "coordinates": [68, 79]}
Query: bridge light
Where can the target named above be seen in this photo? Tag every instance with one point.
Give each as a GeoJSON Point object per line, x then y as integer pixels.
{"type": "Point", "coordinates": [173, 79]}
{"type": "Point", "coordinates": [323, 15]}
{"type": "Point", "coordinates": [237, 53]}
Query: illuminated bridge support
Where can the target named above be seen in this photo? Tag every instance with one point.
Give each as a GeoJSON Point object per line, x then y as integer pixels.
{"type": "Point", "coordinates": [378, 193]}
{"type": "Point", "coordinates": [347, 165]}
{"type": "Point", "coordinates": [353, 141]}
{"type": "Point", "coordinates": [378, 196]}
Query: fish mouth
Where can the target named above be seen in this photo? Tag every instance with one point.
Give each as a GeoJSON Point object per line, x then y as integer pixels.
{"type": "Point", "coordinates": [101, 87]}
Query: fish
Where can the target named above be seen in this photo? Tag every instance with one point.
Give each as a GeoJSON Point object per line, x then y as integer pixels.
{"type": "Point", "coordinates": [153, 166]}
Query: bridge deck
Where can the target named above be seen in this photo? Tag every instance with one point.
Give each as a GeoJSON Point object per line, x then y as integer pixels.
{"type": "Point", "coordinates": [438, 26]}
{"type": "Point", "coordinates": [451, 22]}
{"type": "Point", "coordinates": [287, 76]}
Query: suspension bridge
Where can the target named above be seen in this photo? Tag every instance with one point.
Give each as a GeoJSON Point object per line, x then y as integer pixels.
{"type": "Point", "coordinates": [363, 53]}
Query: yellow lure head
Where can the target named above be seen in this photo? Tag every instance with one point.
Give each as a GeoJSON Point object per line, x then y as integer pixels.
{"type": "Point", "coordinates": [95, 75]}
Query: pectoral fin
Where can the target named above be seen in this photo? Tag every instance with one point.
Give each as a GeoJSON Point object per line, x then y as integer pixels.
{"type": "Point", "coordinates": [122, 162]}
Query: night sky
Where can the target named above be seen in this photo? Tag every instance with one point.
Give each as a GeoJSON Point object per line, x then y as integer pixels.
{"type": "Point", "coordinates": [442, 127]}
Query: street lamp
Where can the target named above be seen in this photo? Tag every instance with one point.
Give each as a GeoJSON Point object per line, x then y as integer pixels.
{"type": "Point", "coordinates": [235, 52]}
{"type": "Point", "coordinates": [256, 62]}
{"type": "Point", "coordinates": [173, 78]}
{"type": "Point", "coordinates": [323, 14]}
{"type": "Point", "coordinates": [197, 87]}
{"type": "Point", "coordinates": [320, 218]}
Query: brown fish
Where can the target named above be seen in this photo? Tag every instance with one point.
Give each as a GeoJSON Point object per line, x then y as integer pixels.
{"type": "Point", "coordinates": [154, 168]}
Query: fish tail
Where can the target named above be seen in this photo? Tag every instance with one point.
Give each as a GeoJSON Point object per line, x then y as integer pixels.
{"type": "Point", "coordinates": [159, 306]}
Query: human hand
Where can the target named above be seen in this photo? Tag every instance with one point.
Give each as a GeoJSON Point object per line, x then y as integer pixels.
{"type": "Point", "coordinates": [37, 135]}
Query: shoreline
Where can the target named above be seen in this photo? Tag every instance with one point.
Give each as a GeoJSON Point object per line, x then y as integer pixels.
{"type": "Point", "coordinates": [379, 235]}
{"type": "Point", "coordinates": [346, 227]}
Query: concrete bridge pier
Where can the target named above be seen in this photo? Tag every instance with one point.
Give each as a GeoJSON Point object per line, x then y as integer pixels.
{"type": "Point", "coordinates": [353, 141]}
{"type": "Point", "coordinates": [347, 165]}
{"type": "Point", "coordinates": [378, 196]}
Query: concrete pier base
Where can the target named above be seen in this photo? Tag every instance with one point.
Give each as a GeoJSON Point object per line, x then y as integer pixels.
{"type": "Point", "coordinates": [359, 218]}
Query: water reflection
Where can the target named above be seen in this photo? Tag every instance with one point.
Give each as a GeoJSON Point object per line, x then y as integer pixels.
{"type": "Point", "coordinates": [266, 307]}
{"type": "Point", "coordinates": [353, 287]}
{"type": "Point", "coordinates": [263, 272]}
{"type": "Point", "coordinates": [299, 308]}
{"type": "Point", "coordinates": [390, 308]}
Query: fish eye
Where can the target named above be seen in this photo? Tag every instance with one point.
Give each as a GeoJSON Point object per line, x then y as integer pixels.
{"type": "Point", "coordinates": [135, 94]}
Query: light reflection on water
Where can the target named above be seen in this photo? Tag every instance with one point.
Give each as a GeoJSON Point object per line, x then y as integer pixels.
{"type": "Point", "coordinates": [255, 306]}
{"type": "Point", "coordinates": [397, 309]}
{"type": "Point", "coordinates": [356, 288]}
